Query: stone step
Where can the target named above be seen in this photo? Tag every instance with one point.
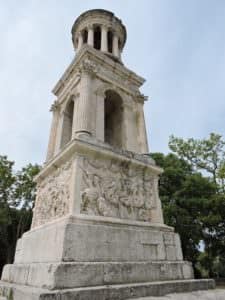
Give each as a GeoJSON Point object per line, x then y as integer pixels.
{"type": "Point", "coordinates": [217, 294]}
{"type": "Point", "coordinates": [71, 275]}
{"type": "Point", "coordinates": [106, 292]}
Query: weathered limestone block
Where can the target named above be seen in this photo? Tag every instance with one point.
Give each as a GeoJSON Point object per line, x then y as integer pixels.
{"type": "Point", "coordinates": [115, 188]}
{"type": "Point", "coordinates": [81, 274]}
{"type": "Point", "coordinates": [100, 239]}
{"type": "Point", "coordinates": [105, 292]}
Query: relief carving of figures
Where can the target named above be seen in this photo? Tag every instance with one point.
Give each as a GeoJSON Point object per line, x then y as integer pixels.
{"type": "Point", "coordinates": [117, 189]}
{"type": "Point", "coordinates": [53, 196]}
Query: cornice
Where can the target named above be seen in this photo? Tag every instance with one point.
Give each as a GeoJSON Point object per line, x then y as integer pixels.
{"type": "Point", "coordinates": [89, 147]}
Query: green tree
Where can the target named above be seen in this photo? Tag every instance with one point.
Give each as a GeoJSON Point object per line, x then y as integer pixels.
{"type": "Point", "coordinates": [205, 155]}
{"type": "Point", "coordinates": [25, 192]}
{"type": "Point", "coordinates": [184, 193]}
{"type": "Point", "coordinates": [208, 156]}
{"type": "Point", "coordinates": [17, 193]}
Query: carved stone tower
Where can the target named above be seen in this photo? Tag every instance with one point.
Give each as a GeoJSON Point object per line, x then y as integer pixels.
{"type": "Point", "coordinates": [98, 230]}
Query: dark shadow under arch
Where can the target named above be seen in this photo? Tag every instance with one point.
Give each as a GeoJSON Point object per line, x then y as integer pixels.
{"type": "Point", "coordinates": [97, 37]}
{"type": "Point", "coordinates": [113, 117]}
{"type": "Point", "coordinates": [67, 124]}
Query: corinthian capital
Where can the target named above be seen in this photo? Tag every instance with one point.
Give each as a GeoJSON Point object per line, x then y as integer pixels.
{"type": "Point", "coordinates": [87, 66]}
{"type": "Point", "coordinates": [141, 97]}
{"type": "Point", "coordinates": [54, 106]}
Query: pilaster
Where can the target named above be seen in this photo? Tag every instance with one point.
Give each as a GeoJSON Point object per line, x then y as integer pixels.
{"type": "Point", "coordinates": [53, 132]}
{"type": "Point", "coordinates": [130, 128]}
{"type": "Point", "coordinates": [100, 114]}
{"type": "Point", "coordinates": [142, 134]}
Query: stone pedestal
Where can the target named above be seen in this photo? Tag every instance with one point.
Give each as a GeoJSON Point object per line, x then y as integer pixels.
{"type": "Point", "coordinates": [93, 242]}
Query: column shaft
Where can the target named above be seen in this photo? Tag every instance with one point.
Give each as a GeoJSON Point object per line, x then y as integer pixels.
{"type": "Point", "coordinates": [59, 133]}
{"type": "Point", "coordinates": [116, 51]}
{"type": "Point", "coordinates": [129, 130]}
{"type": "Point", "coordinates": [91, 36]}
{"type": "Point", "coordinates": [100, 117]}
{"type": "Point", "coordinates": [80, 41]}
{"type": "Point", "coordinates": [143, 142]}
{"type": "Point", "coordinates": [104, 42]}
{"type": "Point", "coordinates": [83, 119]}
{"type": "Point", "coordinates": [52, 138]}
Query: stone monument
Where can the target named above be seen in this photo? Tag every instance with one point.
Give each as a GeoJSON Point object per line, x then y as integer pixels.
{"type": "Point", "coordinates": [98, 230]}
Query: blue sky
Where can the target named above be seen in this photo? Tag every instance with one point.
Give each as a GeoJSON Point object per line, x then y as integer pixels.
{"type": "Point", "coordinates": [178, 46]}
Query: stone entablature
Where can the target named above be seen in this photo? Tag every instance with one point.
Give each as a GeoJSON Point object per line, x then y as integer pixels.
{"type": "Point", "coordinates": [116, 73]}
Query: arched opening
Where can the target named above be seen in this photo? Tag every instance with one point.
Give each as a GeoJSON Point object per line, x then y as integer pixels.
{"type": "Point", "coordinates": [110, 41]}
{"type": "Point", "coordinates": [85, 36]}
{"type": "Point", "coordinates": [97, 37]}
{"type": "Point", "coordinates": [113, 119]}
{"type": "Point", "coordinates": [67, 124]}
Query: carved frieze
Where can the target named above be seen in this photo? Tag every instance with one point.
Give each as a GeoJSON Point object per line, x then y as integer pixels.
{"type": "Point", "coordinates": [53, 195]}
{"type": "Point", "coordinates": [113, 188]}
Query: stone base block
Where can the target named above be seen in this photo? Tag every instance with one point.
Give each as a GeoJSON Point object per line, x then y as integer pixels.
{"type": "Point", "coordinates": [82, 238]}
{"type": "Point", "coordinates": [106, 292]}
{"type": "Point", "coordinates": [71, 275]}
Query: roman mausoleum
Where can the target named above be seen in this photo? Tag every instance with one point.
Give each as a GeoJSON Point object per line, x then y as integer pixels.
{"type": "Point", "coordinates": [98, 229]}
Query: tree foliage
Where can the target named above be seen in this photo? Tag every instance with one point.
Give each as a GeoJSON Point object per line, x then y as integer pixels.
{"type": "Point", "coordinates": [206, 154]}
{"type": "Point", "coordinates": [184, 193]}
{"type": "Point", "coordinates": [193, 197]}
{"type": "Point", "coordinates": [17, 193]}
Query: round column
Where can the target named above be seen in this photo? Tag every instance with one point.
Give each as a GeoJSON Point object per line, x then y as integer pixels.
{"type": "Point", "coordinates": [80, 41]}
{"type": "Point", "coordinates": [104, 40]}
{"type": "Point", "coordinates": [91, 36]}
{"type": "Point", "coordinates": [116, 51]}
{"type": "Point", "coordinates": [83, 124]}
